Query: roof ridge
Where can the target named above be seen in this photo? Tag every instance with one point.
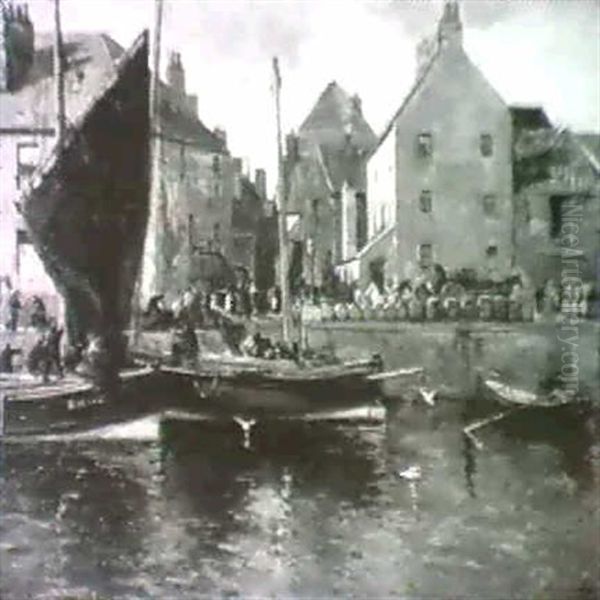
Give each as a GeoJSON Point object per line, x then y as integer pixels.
{"type": "Point", "coordinates": [416, 85]}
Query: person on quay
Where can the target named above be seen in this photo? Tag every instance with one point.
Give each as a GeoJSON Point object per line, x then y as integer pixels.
{"type": "Point", "coordinates": [14, 306]}
{"type": "Point", "coordinates": [53, 357]}
{"type": "Point", "coordinates": [6, 358]}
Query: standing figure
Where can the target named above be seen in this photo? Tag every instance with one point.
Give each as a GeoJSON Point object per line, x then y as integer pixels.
{"type": "Point", "coordinates": [14, 306]}
{"type": "Point", "coordinates": [6, 358]}
{"type": "Point", "coordinates": [53, 358]}
{"type": "Point", "coordinates": [38, 313]}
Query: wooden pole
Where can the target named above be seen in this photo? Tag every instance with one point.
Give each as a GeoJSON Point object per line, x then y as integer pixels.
{"type": "Point", "coordinates": [282, 214]}
{"type": "Point", "coordinates": [59, 81]}
{"type": "Point", "coordinates": [146, 280]}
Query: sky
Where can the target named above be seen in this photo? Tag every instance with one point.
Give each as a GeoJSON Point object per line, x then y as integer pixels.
{"type": "Point", "coordinates": [532, 51]}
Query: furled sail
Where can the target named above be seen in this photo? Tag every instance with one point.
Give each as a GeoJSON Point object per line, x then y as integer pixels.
{"type": "Point", "coordinates": [87, 207]}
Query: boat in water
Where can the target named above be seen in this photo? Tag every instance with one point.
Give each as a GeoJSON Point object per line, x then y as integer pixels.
{"type": "Point", "coordinates": [266, 388]}
{"type": "Point", "coordinates": [87, 207]}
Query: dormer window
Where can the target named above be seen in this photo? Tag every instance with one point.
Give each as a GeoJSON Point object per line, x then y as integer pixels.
{"type": "Point", "coordinates": [486, 144]}
{"type": "Point", "coordinates": [424, 144]}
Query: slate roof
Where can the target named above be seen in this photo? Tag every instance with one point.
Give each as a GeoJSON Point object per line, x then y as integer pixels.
{"type": "Point", "coordinates": [335, 139]}
{"type": "Point", "coordinates": [90, 60]}
{"type": "Point", "coordinates": [334, 114]}
{"type": "Point", "coordinates": [529, 117]}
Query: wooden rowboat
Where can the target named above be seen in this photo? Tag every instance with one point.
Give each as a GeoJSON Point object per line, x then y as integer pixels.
{"type": "Point", "coordinates": [265, 388]}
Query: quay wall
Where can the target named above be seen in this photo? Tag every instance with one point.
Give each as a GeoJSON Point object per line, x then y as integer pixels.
{"type": "Point", "coordinates": [453, 354]}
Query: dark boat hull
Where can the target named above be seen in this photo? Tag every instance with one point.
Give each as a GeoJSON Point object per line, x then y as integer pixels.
{"type": "Point", "coordinates": [88, 206]}
{"type": "Point", "coordinates": [79, 406]}
{"type": "Point", "coordinates": [266, 395]}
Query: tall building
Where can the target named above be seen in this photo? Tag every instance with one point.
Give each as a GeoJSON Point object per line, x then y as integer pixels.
{"type": "Point", "coordinates": [193, 192]}
{"type": "Point", "coordinates": [440, 179]}
{"type": "Point", "coordinates": [326, 173]}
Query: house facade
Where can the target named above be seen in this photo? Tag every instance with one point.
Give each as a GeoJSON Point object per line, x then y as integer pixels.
{"type": "Point", "coordinates": [193, 191]}
{"type": "Point", "coordinates": [439, 183]}
{"type": "Point", "coordinates": [326, 175]}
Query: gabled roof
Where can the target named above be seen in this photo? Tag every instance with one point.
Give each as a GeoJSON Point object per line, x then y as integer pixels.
{"type": "Point", "coordinates": [179, 125]}
{"type": "Point", "coordinates": [334, 115]}
{"type": "Point", "coordinates": [411, 94]}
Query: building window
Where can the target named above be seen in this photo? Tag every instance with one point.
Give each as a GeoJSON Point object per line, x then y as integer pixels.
{"type": "Point", "coordinates": [382, 210]}
{"type": "Point", "coordinates": [217, 232]}
{"type": "Point", "coordinates": [556, 212]}
{"type": "Point", "coordinates": [425, 201]}
{"type": "Point", "coordinates": [486, 144]}
{"type": "Point", "coordinates": [27, 161]}
{"type": "Point", "coordinates": [23, 237]}
{"type": "Point", "coordinates": [424, 145]}
{"type": "Point", "coordinates": [216, 164]}
{"type": "Point", "coordinates": [425, 255]}
{"type": "Point", "coordinates": [491, 251]}
{"type": "Point", "coordinates": [489, 205]}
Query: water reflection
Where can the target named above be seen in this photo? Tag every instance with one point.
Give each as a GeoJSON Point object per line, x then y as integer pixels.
{"type": "Point", "coordinates": [309, 509]}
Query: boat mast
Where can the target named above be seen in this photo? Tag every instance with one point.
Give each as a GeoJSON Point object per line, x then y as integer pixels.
{"type": "Point", "coordinates": [282, 214]}
{"type": "Point", "coordinates": [59, 80]}
{"type": "Point", "coordinates": [154, 152]}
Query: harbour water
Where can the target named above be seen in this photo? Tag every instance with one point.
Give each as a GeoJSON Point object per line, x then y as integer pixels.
{"type": "Point", "coordinates": [185, 510]}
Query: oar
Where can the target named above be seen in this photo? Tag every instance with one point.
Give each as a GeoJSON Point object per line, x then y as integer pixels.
{"type": "Point", "coordinates": [396, 373]}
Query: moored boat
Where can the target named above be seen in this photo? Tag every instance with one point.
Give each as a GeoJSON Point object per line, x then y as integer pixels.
{"type": "Point", "coordinates": [87, 207]}
{"type": "Point", "coordinates": [73, 404]}
{"type": "Point", "coordinates": [265, 388]}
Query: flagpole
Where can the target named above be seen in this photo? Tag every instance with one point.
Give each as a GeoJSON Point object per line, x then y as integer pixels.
{"type": "Point", "coordinates": [282, 214]}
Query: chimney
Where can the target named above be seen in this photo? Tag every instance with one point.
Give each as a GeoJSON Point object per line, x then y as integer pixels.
{"type": "Point", "coordinates": [221, 134]}
{"type": "Point", "coordinates": [450, 26]}
{"type": "Point", "coordinates": [16, 47]}
{"type": "Point", "coordinates": [260, 183]}
{"type": "Point", "coordinates": [176, 76]}
{"type": "Point", "coordinates": [357, 104]}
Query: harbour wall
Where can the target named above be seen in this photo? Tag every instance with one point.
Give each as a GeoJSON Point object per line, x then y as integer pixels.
{"type": "Point", "coordinates": [531, 355]}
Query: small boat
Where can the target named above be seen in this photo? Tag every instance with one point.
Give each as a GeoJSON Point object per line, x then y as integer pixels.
{"type": "Point", "coordinates": [263, 388]}
{"type": "Point", "coordinates": [508, 395]}
{"type": "Point", "coordinates": [74, 404]}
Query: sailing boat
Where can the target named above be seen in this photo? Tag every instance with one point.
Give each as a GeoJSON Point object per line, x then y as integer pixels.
{"type": "Point", "coordinates": [258, 388]}
{"type": "Point", "coordinates": [87, 206]}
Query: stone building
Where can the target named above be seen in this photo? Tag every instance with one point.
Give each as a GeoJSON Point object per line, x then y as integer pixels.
{"type": "Point", "coordinates": [557, 197]}
{"type": "Point", "coordinates": [27, 127]}
{"type": "Point", "coordinates": [326, 175]}
{"type": "Point", "coordinates": [440, 177]}
{"type": "Point", "coordinates": [248, 216]}
{"type": "Point", "coordinates": [193, 192]}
